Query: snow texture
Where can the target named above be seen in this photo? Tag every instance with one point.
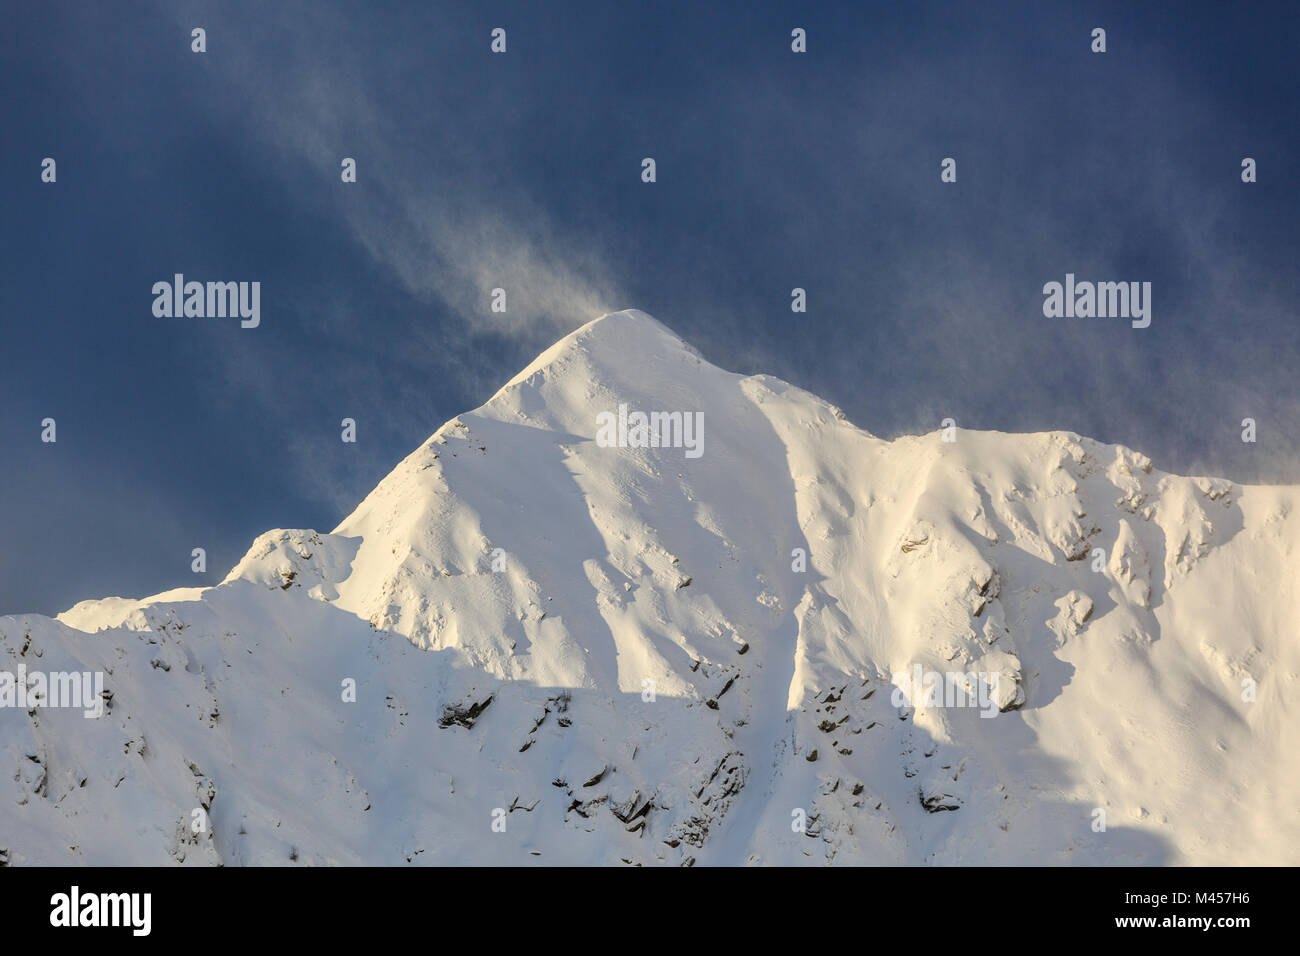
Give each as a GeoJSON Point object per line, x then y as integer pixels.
{"type": "Point", "coordinates": [642, 674]}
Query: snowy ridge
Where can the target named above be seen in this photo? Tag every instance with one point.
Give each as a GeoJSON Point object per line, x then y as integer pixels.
{"type": "Point", "coordinates": [506, 599]}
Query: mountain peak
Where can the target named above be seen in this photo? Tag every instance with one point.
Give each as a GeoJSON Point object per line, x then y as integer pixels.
{"type": "Point", "coordinates": [657, 655]}
{"type": "Point", "coordinates": [615, 337]}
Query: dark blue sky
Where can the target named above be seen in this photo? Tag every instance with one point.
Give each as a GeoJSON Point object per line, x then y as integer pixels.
{"type": "Point", "coordinates": [522, 170]}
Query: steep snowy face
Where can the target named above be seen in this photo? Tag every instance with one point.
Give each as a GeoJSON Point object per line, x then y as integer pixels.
{"type": "Point", "coordinates": [520, 537]}
{"type": "Point", "coordinates": [637, 608]}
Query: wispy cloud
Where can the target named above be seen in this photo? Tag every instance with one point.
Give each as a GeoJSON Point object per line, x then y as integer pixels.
{"type": "Point", "coordinates": [442, 225]}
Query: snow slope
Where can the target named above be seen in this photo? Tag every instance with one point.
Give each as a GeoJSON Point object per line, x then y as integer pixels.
{"type": "Point", "coordinates": [570, 653]}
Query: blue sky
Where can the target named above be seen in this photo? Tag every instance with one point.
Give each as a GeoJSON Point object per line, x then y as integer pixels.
{"type": "Point", "coordinates": [522, 170]}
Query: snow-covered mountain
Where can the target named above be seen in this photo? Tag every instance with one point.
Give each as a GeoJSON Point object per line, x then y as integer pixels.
{"type": "Point", "coordinates": [530, 646]}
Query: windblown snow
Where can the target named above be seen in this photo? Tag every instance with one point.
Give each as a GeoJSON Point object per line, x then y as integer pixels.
{"type": "Point", "coordinates": [526, 646]}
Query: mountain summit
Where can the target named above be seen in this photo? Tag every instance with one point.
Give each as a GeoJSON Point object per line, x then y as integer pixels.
{"type": "Point", "coordinates": [539, 642]}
